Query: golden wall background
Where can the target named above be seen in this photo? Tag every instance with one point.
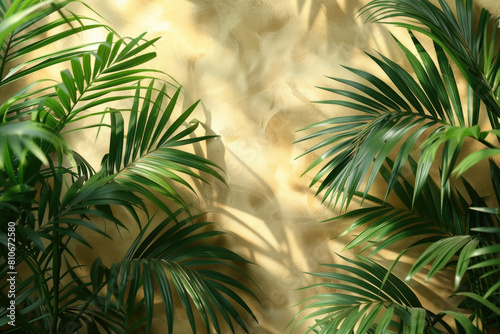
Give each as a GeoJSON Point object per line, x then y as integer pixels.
{"type": "Point", "coordinates": [255, 64]}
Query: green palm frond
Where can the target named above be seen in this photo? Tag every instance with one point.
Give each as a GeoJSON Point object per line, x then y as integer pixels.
{"type": "Point", "coordinates": [51, 191]}
{"type": "Point", "coordinates": [385, 225]}
{"type": "Point", "coordinates": [367, 298]}
{"type": "Point", "coordinates": [100, 76]}
{"type": "Point", "coordinates": [21, 42]}
{"type": "Point", "coordinates": [21, 138]}
{"type": "Point", "coordinates": [174, 258]}
{"type": "Point", "coordinates": [426, 106]}
{"type": "Point", "coordinates": [64, 213]}
{"type": "Point", "coordinates": [150, 140]}
{"type": "Point", "coordinates": [97, 79]}
{"type": "Point", "coordinates": [358, 145]}
{"type": "Point", "coordinates": [173, 248]}
{"type": "Point", "coordinates": [94, 80]}
{"type": "Point", "coordinates": [145, 155]}
{"type": "Point", "coordinates": [420, 109]}
{"type": "Point", "coordinates": [479, 266]}
{"type": "Point", "coordinates": [469, 44]}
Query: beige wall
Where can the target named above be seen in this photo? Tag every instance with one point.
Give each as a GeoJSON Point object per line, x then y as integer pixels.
{"type": "Point", "coordinates": [254, 65]}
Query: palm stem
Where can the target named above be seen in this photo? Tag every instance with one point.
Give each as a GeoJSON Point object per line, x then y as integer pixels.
{"type": "Point", "coordinates": [56, 269]}
{"type": "Point", "coordinates": [487, 143]}
{"type": "Point", "coordinates": [439, 319]}
{"type": "Point", "coordinates": [4, 60]}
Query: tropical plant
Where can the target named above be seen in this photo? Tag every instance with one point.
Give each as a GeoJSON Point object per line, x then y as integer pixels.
{"type": "Point", "coordinates": [410, 133]}
{"type": "Point", "coordinates": [51, 196]}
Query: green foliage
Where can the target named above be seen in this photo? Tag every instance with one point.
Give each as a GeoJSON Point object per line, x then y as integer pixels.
{"type": "Point", "coordinates": [411, 139]}
{"type": "Point", "coordinates": [372, 292]}
{"type": "Point", "coordinates": [53, 194]}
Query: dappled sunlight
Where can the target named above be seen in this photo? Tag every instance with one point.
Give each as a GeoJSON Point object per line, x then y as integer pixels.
{"type": "Point", "coordinates": [255, 67]}
{"type": "Point", "coordinates": [258, 68]}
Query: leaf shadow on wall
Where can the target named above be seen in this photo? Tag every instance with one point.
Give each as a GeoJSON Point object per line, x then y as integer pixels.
{"type": "Point", "coordinates": [264, 62]}
{"type": "Point", "coordinates": [250, 210]}
{"type": "Point", "coordinates": [257, 81]}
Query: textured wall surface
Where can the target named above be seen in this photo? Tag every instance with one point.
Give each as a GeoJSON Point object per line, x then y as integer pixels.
{"type": "Point", "coordinates": [255, 64]}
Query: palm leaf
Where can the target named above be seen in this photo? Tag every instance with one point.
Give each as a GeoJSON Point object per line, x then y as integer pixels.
{"type": "Point", "coordinates": [19, 40]}
{"type": "Point", "coordinates": [370, 296]}
{"type": "Point", "coordinates": [146, 155]}
{"type": "Point", "coordinates": [449, 217]}
{"type": "Point", "coordinates": [51, 202]}
{"type": "Point", "coordinates": [170, 255]}
{"type": "Point", "coordinates": [463, 42]}
{"type": "Point", "coordinates": [359, 145]}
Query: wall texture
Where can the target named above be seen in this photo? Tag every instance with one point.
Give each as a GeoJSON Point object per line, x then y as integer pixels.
{"type": "Point", "coordinates": [255, 64]}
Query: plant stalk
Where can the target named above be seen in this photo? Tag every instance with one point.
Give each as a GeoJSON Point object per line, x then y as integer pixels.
{"type": "Point", "coordinates": [56, 270]}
